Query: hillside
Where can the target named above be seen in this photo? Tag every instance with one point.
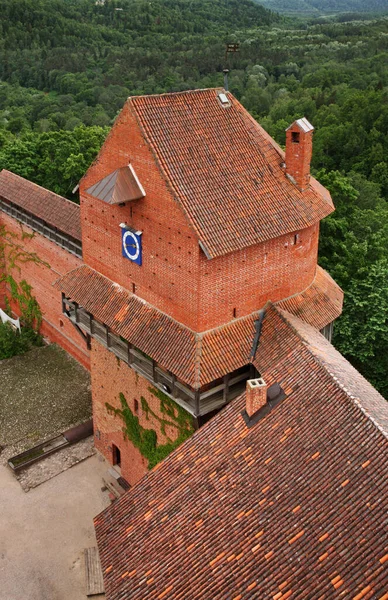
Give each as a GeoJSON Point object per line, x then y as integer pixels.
{"type": "Point", "coordinates": [320, 7]}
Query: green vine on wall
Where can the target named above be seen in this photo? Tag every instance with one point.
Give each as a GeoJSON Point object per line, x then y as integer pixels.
{"type": "Point", "coordinates": [146, 439]}
{"type": "Point", "coordinates": [12, 256]}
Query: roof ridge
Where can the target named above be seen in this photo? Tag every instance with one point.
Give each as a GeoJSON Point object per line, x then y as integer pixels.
{"type": "Point", "coordinates": [325, 368]}
{"type": "Point", "coordinates": [181, 93]}
{"type": "Point", "coordinates": [198, 356]}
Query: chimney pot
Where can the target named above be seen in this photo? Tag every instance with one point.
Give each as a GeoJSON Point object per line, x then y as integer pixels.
{"type": "Point", "coordinates": [256, 395]}
{"type": "Point", "coordinates": [299, 149]}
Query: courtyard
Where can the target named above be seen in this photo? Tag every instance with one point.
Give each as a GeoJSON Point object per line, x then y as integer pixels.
{"type": "Point", "coordinates": [45, 531]}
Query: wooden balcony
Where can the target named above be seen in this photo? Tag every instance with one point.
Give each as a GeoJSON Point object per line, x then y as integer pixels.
{"type": "Point", "coordinates": [197, 402]}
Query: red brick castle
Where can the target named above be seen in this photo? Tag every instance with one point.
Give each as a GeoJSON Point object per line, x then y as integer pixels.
{"type": "Point", "coordinates": [191, 219]}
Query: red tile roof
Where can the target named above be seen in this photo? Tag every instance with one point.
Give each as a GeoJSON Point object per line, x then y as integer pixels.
{"type": "Point", "coordinates": [293, 507]}
{"type": "Point", "coordinates": [153, 332]}
{"type": "Point", "coordinates": [320, 304]}
{"type": "Point", "coordinates": [225, 170]}
{"type": "Point", "coordinates": [195, 358]}
{"type": "Point", "coordinates": [51, 208]}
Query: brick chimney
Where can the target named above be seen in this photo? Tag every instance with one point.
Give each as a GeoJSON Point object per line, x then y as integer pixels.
{"type": "Point", "coordinates": [299, 148]}
{"type": "Point", "coordinates": [256, 395]}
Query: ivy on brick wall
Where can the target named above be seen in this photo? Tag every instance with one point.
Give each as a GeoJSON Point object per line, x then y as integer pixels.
{"type": "Point", "coordinates": [146, 439]}
{"type": "Point", "coordinates": [12, 256]}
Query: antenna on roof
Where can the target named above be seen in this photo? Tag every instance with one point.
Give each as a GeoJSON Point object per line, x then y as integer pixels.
{"type": "Point", "coordinates": [230, 49]}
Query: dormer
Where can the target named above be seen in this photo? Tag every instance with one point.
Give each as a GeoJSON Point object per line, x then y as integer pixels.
{"type": "Point", "coordinates": [299, 148]}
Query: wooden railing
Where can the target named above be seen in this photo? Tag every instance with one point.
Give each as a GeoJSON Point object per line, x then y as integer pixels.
{"type": "Point", "coordinates": [61, 239]}
{"type": "Point", "coordinates": [196, 402]}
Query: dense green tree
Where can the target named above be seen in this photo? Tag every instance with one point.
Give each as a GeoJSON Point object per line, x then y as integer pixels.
{"type": "Point", "coordinates": [56, 159]}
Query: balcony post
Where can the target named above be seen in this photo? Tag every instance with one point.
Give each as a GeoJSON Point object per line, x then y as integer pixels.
{"type": "Point", "coordinates": [226, 387]}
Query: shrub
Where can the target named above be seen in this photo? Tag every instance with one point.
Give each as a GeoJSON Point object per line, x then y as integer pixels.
{"type": "Point", "coordinates": [13, 343]}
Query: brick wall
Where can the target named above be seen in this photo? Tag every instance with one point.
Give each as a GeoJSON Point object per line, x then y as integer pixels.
{"type": "Point", "coordinates": [110, 377]}
{"type": "Point", "coordinates": [175, 276]}
{"type": "Point", "coordinates": [239, 283]}
{"type": "Point", "coordinates": [55, 326]}
{"type": "Point", "coordinates": [168, 278]}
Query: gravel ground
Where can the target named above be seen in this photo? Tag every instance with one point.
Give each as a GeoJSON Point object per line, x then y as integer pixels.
{"type": "Point", "coordinates": [42, 393]}
{"type": "Point", "coordinates": [56, 463]}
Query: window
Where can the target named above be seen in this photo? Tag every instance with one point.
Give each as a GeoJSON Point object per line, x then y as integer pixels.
{"type": "Point", "coordinates": [295, 137]}
{"type": "Point", "coordinates": [116, 455]}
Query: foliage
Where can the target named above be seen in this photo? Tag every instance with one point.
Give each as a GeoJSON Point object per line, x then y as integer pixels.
{"type": "Point", "coordinates": [56, 160]}
{"type": "Point", "coordinates": [12, 256]}
{"type": "Point", "coordinates": [325, 6]}
{"type": "Point", "coordinates": [362, 332]}
{"type": "Point", "coordinates": [354, 246]}
{"type": "Point", "coordinates": [13, 343]}
{"type": "Point", "coordinates": [146, 439]}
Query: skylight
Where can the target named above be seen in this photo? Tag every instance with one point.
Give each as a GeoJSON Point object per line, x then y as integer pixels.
{"type": "Point", "coordinates": [223, 99]}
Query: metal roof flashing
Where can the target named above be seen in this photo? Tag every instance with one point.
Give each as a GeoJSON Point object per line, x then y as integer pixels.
{"type": "Point", "coordinates": [303, 124]}
{"type": "Point", "coordinates": [120, 186]}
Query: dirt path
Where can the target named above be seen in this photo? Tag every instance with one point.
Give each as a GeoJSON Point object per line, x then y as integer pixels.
{"type": "Point", "coordinates": [43, 533]}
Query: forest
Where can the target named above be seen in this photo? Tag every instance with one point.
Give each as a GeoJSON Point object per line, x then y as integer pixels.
{"type": "Point", "coordinates": [322, 7]}
{"type": "Point", "coordinates": [67, 66]}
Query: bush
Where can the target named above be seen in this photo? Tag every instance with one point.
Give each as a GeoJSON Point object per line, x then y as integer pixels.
{"type": "Point", "coordinates": [13, 343]}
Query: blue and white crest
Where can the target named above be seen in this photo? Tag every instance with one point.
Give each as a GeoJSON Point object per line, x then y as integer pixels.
{"type": "Point", "coordinates": [131, 244]}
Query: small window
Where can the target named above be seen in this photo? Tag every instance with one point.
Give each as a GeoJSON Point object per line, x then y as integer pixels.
{"type": "Point", "coordinates": [116, 455]}
{"type": "Point", "coordinates": [133, 288]}
{"type": "Point", "coordinates": [234, 313]}
{"type": "Point", "coordinates": [136, 406]}
{"type": "Point", "coordinates": [295, 137]}
{"type": "Point", "coordinates": [296, 238]}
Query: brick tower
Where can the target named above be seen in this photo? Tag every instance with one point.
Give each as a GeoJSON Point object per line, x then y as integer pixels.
{"type": "Point", "coordinates": [191, 222]}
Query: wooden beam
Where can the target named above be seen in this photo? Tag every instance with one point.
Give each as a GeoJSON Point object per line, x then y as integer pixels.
{"type": "Point", "coordinates": [196, 403]}
{"type": "Point", "coordinates": [76, 312]}
{"type": "Point", "coordinates": [154, 371]}
{"type": "Point", "coordinates": [130, 359]}
{"type": "Point", "coordinates": [173, 386]}
{"type": "Point", "coordinates": [226, 387]}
